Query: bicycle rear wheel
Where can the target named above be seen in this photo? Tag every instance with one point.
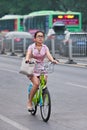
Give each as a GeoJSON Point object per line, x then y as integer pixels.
{"type": "Point", "coordinates": [46, 106]}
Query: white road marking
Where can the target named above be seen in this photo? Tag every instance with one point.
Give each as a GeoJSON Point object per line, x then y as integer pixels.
{"type": "Point", "coordinates": [13, 71]}
{"type": "Point", "coordinates": [77, 85]}
{"type": "Point", "coordinates": [7, 120]}
{"type": "Point", "coordinates": [13, 123]}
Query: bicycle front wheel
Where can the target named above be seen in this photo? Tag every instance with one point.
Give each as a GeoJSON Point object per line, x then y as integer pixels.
{"type": "Point", "coordinates": [45, 108]}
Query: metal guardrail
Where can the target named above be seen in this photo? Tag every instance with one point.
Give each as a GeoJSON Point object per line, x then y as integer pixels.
{"type": "Point", "coordinates": [15, 42]}
{"type": "Point", "coordinates": [79, 44]}
{"type": "Point", "coordinates": [75, 46]}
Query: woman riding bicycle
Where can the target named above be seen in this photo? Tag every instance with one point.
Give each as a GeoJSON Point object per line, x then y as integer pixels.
{"type": "Point", "coordinates": [39, 51]}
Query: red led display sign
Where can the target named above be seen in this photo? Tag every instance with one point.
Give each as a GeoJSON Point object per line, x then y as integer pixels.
{"type": "Point", "coordinates": [67, 19]}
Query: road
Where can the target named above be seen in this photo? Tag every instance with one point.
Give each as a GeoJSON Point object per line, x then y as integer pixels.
{"type": "Point", "coordinates": [68, 89]}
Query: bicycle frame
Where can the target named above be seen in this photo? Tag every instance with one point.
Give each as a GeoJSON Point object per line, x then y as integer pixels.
{"type": "Point", "coordinates": [37, 99]}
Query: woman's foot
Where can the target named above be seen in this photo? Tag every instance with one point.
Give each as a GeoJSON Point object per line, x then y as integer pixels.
{"type": "Point", "coordinates": [29, 107]}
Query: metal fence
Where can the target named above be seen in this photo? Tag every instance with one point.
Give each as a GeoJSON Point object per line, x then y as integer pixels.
{"type": "Point", "coordinates": [15, 42]}
{"type": "Point", "coordinates": [75, 46]}
{"type": "Point", "coordinates": [77, 43]}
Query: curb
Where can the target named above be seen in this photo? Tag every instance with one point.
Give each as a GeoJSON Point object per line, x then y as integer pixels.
{"type": "Point", "coordinates": [61, 61]}
{"type": "Point", "coordinates": [75, 65]}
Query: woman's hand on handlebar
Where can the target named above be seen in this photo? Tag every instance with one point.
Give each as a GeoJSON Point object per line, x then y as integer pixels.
{"type": "Point", "coordinates": [30, 61]}
{"type": "Point", "coordinates": [55, 61]}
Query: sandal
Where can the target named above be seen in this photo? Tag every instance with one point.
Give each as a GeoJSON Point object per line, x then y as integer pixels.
{"type": "Point", "coordinates": [30, 109]}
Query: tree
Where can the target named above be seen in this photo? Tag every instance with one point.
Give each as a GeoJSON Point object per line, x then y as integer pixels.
{"type": "Point", "coordinates": [27, 6]}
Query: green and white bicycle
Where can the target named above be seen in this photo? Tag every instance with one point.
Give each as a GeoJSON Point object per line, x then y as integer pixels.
{"type": "Point", "coordinates": [42, 97]}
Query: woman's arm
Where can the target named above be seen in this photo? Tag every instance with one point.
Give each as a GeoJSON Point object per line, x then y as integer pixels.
{"type": "Point", "coordinates": [49, 56]}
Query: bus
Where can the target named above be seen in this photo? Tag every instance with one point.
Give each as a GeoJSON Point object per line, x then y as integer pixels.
{"type": "Point", "coordinates": [44, 20]}
{"type": "Point", "coordinates": [11, 23]}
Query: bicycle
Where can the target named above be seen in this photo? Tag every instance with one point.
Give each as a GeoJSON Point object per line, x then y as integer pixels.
{"type": "Point", "coordinates": [42, 97]}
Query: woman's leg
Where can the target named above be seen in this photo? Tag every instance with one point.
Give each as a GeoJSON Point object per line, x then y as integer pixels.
{"type": "Point", "coordinates": [35, 81]}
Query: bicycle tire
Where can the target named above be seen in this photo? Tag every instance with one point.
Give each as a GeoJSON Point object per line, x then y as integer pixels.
{"type": "Point", "coordinates": [46, 105]}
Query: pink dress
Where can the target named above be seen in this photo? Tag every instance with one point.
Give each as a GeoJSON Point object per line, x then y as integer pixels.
{"type": "Point", "coordinates": [39, 56]}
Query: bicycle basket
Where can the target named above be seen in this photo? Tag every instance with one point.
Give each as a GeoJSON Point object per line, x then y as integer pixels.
{"type": "Point", "coordinates": [47, 67]}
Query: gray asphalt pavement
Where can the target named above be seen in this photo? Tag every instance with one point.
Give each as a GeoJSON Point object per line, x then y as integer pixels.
{"type": "Point", "coordinates": [68, 89]}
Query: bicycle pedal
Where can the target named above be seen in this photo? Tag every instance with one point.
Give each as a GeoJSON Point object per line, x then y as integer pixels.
{"type": "Point", "coordinates": [44, 89]}
{"type": "Point", "coordinates": [31, 110]}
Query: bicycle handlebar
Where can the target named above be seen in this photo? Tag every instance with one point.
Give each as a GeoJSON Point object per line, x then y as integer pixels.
{"type": "Point", "coordinates": [45, 66]}
{"type": "Point", "coordinates": [42, 66]}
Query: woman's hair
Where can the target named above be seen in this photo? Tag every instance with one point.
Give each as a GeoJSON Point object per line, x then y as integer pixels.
{"type": "Point", "coordinates": [38, 32]}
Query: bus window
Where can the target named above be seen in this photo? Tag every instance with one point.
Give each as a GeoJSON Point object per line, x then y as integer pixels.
{"type": "Point", "coordinates": [11, 23]}
{"type": "Point", "coordinates": [59, 27]}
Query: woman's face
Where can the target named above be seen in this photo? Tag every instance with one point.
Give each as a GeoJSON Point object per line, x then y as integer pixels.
{"type": "Point", "coordinates": [39, 38]}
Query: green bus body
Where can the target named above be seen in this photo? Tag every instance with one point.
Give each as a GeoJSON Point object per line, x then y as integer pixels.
{"type": "Point", "coordinates": [43, 20]}
{"type": "Point", "coordinates": [11, 23]}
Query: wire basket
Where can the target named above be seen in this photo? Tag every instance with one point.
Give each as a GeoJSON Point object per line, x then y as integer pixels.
{"type": "Point", "coordinates": [44, 67]}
